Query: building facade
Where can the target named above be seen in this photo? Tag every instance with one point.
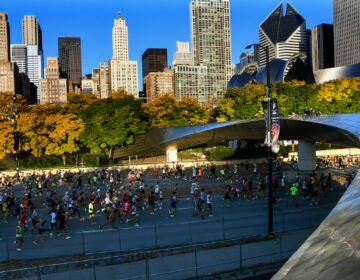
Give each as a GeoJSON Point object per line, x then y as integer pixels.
{"type": "Point", "coordinates": [69, 49]}
{"type": "Point", "coordinates": [8, 70]}
{"type": "Point", "coordinates": [284, 35]}
{"type": "Point", "coordinates": [53, 89]}
{"type": "Point", "coordinates": [322, 37]}
{"type": "Point", "coordinates": [183, 55]}
{"type": "Point", "coordinates": [28, 61]}
{"type": "Point", "coordinates": [192, 81]}
{"type": "Point", "coordinates": [211, 44]}
{"type": "Point", "coordinates": [346, 32]}
{"type": "Point", "coordinates": [158, 83]}
{"type": "Point", "coordinates": [32, 37]}
{"type": "Point", "coordinates": [4, 38]}
{"type": "Point", "coordinates": [104, 81]}
{"type": "Point", "coordinates": [154, 60]}
{"type": "Point", "coordinates": [123, 73]}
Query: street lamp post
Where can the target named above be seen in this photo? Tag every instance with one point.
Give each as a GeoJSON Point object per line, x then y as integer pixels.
{"type": "Point", "coordinates": [16, 136]}
{"type": "Point", "coordinates": [268, 137]}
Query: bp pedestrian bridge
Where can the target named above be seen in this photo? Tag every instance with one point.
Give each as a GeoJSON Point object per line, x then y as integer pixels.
{"type": "Point", "coordinates": [341, 129]}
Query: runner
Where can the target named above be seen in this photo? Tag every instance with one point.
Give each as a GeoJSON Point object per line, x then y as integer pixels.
{"type": "Point", "coordinates": [19, 237]}
{"type": "Point", "coordinates": [173, 202]}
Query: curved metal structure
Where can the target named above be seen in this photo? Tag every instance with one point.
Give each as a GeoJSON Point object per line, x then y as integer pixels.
{"type": "Point", "coordinates": [332, 252]}
{"type": "Point", "coordinates": [341, 129]}
{"type": "Point", "coordinates": [324, 75]}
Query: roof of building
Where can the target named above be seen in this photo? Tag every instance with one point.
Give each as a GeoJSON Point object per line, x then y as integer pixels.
{"type": "Point", "coordinates": [279, 27]}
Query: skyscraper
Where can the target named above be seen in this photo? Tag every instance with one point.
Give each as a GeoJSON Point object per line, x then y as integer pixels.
{"type": "Point", "coordinates": [346, 32]}
{"type": "Point", "coordinates": [285, 35]}
{"type": "Point", "coordinates": [322, 37]}
{"type": "Point", "coordinates": [8, 70]}
{"type": "Point", "coordinates": [69, 49]}
{"type": "Point", "coordinates": [211, 45]}
{"type": "Point", "coordinates": [154, 60]}
{"type": "Point", "coordinates": [31, 31]}
{"type": "Point", "coordinates": [123, 72]}
{"type": "Point", "coordinates": [4, 38]}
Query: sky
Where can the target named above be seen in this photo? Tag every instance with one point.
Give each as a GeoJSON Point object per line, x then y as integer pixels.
{"type": "Point", "coordinates": [151, 24]}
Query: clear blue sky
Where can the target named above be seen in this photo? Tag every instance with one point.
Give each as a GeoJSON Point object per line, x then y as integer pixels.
{"type": "Point", "coordinates": [151, 23]}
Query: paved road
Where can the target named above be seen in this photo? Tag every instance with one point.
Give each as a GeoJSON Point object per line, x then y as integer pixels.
{"type": "Point", "coordinates": [247, 218]}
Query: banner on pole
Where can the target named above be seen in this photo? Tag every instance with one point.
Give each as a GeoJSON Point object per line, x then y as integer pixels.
{"type": "Point", "coordinates": [274, 125]}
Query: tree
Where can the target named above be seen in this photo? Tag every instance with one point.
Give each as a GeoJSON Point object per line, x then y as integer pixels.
{"type": "Point", "coordinates": [77, 102]}
{"type": "Point", "coordinates": [112, 122]}
{"type": "Point", "coordinates": [46, 131]}
{"type": "Point", "coordinates": [163, 111]}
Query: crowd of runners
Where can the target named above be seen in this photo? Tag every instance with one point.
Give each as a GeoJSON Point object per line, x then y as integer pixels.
{"type": "Point", "coordinates": [111, 197]}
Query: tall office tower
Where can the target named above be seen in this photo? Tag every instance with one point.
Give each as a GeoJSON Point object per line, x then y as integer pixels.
{"type": "Point", "coordinates": [211, 45]}
{"type": "Point", "coordinates": [4, 38]}
{"type": "Point", "coordinates": [69, 49]}
{"type": "Point", "coordinates": [28, 60]}
{"type": "Point", "coordinates": [322, 37]}
{"type": "Point", "coordinates": [346, 32]}
{"type": "Point", "coordinates": [154, 60]}
{"type": "Point", "coordinates": [104, 82]}
{"type": "Point", "coordinates": [158, 83]}
{"type": "Point", "coordinates": [123, 73]}
{"type": "Point", "coordinates": [53, 89]}
{"type": "Point", "coordinates": [31, 31]}
{"type": "Point", "coordinates": [285, 35]}
{"type": "Point", "coordinates": [183, 56]}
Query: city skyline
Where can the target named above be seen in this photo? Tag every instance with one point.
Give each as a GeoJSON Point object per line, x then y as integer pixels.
{"type": "Point", "coordinates": [151, 24]}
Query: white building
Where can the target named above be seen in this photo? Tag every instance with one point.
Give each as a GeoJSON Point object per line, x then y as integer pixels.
{"type": "Point", "coordinates": [123, 73]}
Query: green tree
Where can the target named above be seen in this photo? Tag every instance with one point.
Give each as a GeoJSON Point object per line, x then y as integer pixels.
{"type": "Point", "coordinates": [112, 122]}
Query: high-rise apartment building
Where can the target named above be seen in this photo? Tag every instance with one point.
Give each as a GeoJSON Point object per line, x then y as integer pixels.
{"type": "Point", "coordinates": [211, 45]}
{"type": "Point", "coordinates": [189, 80]}
{"type": "Point", "coordinates": [53, 89]}
{"type": "Point", "coordinates": [346, 32]}
{"type": "Point", "coordinates": [123, 73]}
{"type": "Point", "coordinates": [322, 37]}
{"type": "Point", "coordinates": [4, 38]}
{"type": "Point", "coordinates": [69, 49]}
{"type": "Point", "coordinates": [285, 35]}
{"type": "Point", "coordinates": [31, 31]}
